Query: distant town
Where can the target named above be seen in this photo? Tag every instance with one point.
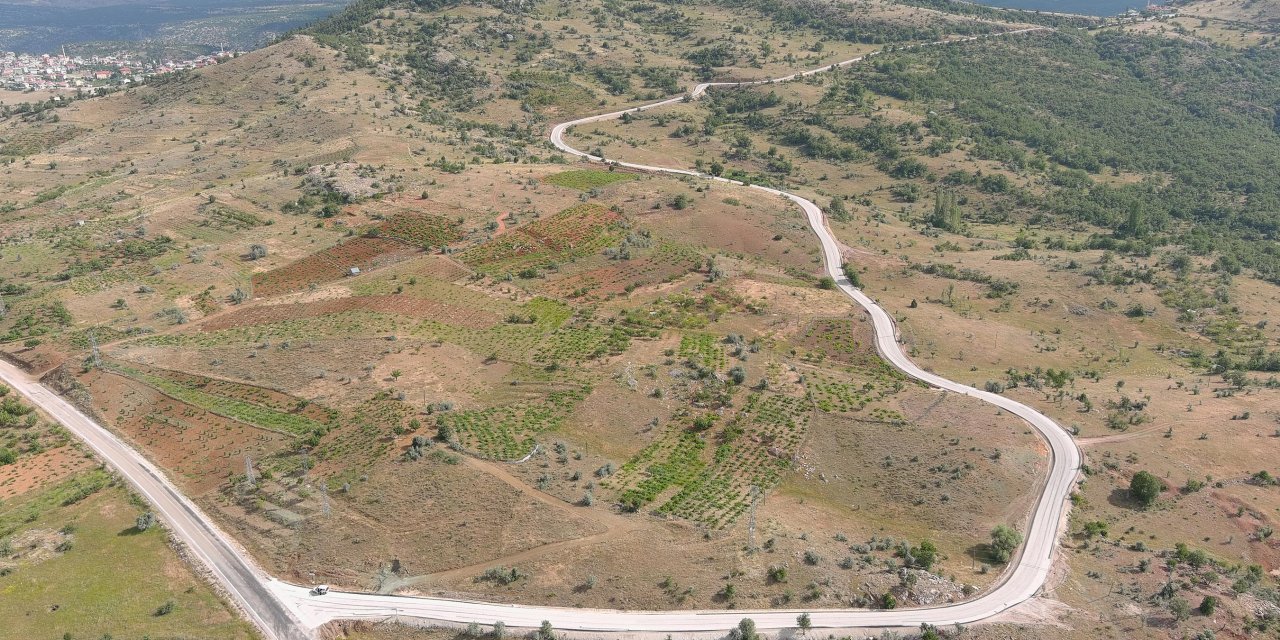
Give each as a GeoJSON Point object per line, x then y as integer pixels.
{"type": "Point", "coordinates": [45, 72]}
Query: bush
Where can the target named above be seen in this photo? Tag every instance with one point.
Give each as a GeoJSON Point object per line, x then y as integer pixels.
{"type": "Point", "coordinates": [925, 555]}
{"type": "Point", "coordinates": [145, 521]}
{"type": "Point", "coordinates": [778, 573]}
{"type": "Point", "coordinates": [1208, 605]}
{"type": "Point", "coordinates": [908, 168]}
{"type": "Point", "coordinates": [851, 272]}
{"type": "Point", "coordinates": [1145, 488]}
{"type": "Point", "coordinates": [502, 575]}
{"type": "Point", "coordinates": [445, 433]}
{"type": "Point", "coordinates": [1004, 540]}
{"type": "Point", "coordinates": [545, 632]}
{"type": "Point", "coordinates": [746, 630]}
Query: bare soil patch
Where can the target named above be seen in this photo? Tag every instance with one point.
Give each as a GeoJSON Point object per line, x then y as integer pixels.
{"type": "Point", "coordinates": [43, 469]}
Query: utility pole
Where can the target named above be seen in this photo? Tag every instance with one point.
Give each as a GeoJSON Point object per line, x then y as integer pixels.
{"type": "Point", "coordinates": [93, 345]}
{"type": "Point", "coordinates": [751, 521]}
{"type": "Point", "coordinates": [249, 477]}
{"type": "Point", "coordinates": [324, 499]}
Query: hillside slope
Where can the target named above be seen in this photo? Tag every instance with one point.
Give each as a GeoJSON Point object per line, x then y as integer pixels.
{"type": "Point", "coordinates": [346, 293]}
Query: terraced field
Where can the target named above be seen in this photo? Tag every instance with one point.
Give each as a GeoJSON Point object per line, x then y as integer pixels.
{"type": "Point", "coordinates": [421, 229]}
{"type": "Point", "coordinates": [403, 305]}
{"type": "Point", "coordinates": [664, 263]}
{"type": "Point", "coordinates": [753, 451]}
{"type": "Point", "coordinates": [258, 413]}
{"type": "Point", "coordinates": [574, 232]}
{"type": "Point", "coordinates": [331, 264]}
{"type": "Point", "coordinates": [508, 432]}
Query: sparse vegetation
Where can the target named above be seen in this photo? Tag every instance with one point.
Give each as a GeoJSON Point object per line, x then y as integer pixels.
{"type": "Point", "coordinates": [387, 290]}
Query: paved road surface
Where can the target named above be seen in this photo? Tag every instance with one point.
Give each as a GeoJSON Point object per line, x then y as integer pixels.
{"type": "Point", "coordinates": [301, 612]}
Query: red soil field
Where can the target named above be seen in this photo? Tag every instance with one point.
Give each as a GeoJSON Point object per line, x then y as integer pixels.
{"type": "Point", "coordinates": [330, 264]}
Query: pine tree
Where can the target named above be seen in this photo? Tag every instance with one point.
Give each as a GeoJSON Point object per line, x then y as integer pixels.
{"type": "Point", "coordinates": [946, 214]}
{"type": "Point", "coordinates": [838, 211]}
{"type": "Point", "coordinates": [1135, 225]}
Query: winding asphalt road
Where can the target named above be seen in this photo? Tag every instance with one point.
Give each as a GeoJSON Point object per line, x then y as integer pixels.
{"type": "Point", "coordinates": [284, 611]}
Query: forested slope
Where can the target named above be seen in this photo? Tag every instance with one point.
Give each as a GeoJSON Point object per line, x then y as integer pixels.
{"type": "Point", "coordinates": [1201, 121]}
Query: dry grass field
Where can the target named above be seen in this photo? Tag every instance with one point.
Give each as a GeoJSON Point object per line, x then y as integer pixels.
{"type": "Point", "coordinates": [345, 293]}
{"type": "Point", "coordinates": [1232, 23]}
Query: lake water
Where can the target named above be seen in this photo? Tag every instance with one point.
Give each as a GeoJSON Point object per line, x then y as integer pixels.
{"type": "Point", "coordinates": [40, 26]}
{"type": "Point", "coordinates": [1086, 7]}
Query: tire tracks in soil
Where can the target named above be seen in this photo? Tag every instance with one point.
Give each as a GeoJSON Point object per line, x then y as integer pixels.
{"type": "Point", "coordinates": [615, 526]}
